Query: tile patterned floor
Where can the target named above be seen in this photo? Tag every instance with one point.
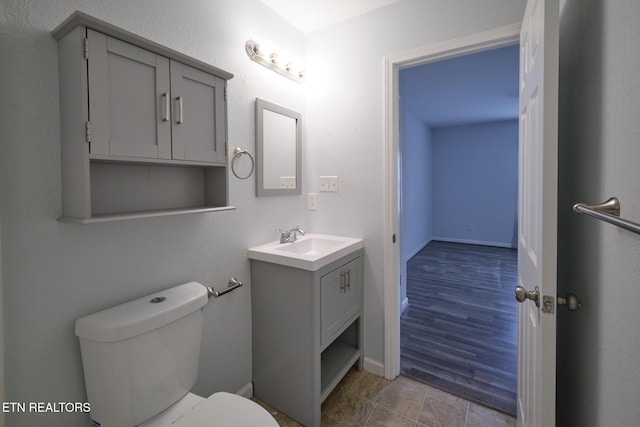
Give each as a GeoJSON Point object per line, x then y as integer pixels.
{"type": "Point", "coordinates": [364, 399]}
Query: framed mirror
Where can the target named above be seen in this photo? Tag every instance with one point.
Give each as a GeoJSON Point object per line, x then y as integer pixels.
{"type": "Point", "coordinates": [278, 142]}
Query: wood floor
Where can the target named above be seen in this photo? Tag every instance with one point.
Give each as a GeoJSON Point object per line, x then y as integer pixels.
{"type": "Point", "coordinates": [459, 332]}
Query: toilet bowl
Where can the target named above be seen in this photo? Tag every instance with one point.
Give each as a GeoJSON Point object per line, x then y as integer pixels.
{"type": "Point", "coordinates": [218, 410]}
{"type": "Point", "coordinates": [140, 361]}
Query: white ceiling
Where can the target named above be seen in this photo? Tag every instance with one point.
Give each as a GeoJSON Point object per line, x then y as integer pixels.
{"type": "Point", "coordinates": [311, 15]}
{"type": "Point", "coordinates": [479, 87]}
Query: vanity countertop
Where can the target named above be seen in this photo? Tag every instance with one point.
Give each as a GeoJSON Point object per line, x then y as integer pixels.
{"type": "Point", "coordinates": [310, 252]}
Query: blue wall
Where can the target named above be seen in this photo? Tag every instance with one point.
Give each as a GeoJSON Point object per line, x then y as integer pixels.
{"type": "Point", "coordinates": [475, 183]}
{"type": "Point", "coordinates": [415, 214]}
{"type": "Point", "coordinates": [416, 184]}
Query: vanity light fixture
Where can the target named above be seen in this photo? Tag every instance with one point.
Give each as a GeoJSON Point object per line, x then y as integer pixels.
{"type": "Point", "coordinates": [263, 54]}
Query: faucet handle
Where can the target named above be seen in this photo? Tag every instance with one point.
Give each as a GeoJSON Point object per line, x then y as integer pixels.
{"type": "Point", "coordinates": [284, 235]}
{"type": "Point", "coordinates": [290, 236]}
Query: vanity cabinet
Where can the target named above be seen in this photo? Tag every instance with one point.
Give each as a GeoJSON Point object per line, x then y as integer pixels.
{"type": "Point", "coordinates": [143, 127]}
{"type": "Point", "coordinates": [307, 332]}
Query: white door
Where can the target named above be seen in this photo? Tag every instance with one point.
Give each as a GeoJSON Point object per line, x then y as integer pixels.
{"type": "Point", "coordinates": [537, 234]}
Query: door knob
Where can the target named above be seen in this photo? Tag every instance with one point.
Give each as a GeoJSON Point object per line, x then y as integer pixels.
{"type": "Point", "coordinates": [571, 301]}
{"type": "Point", "coordinates": [522, 294]}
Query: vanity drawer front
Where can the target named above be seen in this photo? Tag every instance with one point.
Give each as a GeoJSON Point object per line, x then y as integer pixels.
{"type": "Point", "coordinates": [340, 299]}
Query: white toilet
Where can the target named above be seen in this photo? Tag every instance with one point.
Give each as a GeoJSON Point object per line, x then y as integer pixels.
{"type": "Point", "coordinates": [140, 361]}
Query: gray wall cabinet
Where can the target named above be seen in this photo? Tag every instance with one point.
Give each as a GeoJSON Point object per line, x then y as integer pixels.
{"type": "Point", "coordinates": [143, 127]}
{"type": "Point", "coordinates": [307, 332]}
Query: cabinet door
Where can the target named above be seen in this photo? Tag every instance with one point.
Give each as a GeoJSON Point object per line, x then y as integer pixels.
{"type": "Point", "coordinates": [340, 299]}
{"type": "Point", "coordinates": [352, 298]}
{"type": "Point", "coordinates": [128, 99]}
{"type": "Point", "coordinates": [199, 119]}
{"type": "Point", "coordinates": [331, 294]}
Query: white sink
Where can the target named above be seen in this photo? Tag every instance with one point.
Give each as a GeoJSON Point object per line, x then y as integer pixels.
{"type": "Point", "coordinates": [310, 252]}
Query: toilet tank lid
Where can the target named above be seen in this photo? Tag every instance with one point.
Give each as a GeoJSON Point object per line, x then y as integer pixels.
{"type": "Point", "coordinates": [143, 314]}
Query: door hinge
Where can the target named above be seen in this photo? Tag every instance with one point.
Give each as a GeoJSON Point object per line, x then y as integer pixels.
{"type": "Point", "coordinates": [86, 48]}
{"type": "Point", "coordinates": [226, 148]}
{"type": "Point", "coordinates": [88, 131]}
{"type": "Point", "coordinates": [393, 238]}
{"type": "Point", "coordinates": [225, 93]}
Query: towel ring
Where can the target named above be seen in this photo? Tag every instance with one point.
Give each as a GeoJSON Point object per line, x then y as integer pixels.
{"type": "Point", "coordinates": [237, 152]}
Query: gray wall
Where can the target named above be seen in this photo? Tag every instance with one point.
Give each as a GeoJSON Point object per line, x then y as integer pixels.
{"type": "Point", "coordinates": [598, 346]}
{"type": "Point", "coordinates": [53, 272]}
{"type": "Point", "coordinates": [2, 418]}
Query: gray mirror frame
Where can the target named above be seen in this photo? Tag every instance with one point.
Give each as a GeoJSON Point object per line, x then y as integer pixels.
{"type": "Point", "coordinates": [262, 105]}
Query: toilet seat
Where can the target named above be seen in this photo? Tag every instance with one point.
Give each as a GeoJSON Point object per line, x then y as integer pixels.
{"type": "Point", "coordinates": [225, 409]}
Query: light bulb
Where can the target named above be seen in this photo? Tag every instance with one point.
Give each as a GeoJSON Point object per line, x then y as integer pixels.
{"type": "Point", "coordinates": [264, 49]}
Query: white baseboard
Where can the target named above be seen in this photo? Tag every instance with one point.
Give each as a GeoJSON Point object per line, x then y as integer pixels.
{"type": "Point", "coordinates": [405, 305]}
{"type": "Point", "coordinates": [474, 242]}
{"type": "Point", "coordinates": [374, 367]}
{"type": "Point", "coordinates": [417, 249]}
{"type": "Point", "coordinates": [246, 391]}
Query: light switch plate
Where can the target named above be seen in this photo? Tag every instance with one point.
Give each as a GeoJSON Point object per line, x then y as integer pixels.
{"type": "Point", "coordinates": [312, 201]}
{"type": "Point", "coordinates": [329, 184]}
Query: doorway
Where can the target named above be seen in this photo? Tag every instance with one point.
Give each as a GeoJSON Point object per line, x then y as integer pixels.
{"type": "Point", "coordinates": [492, 39]}
{"type": "Point", "coordinates": [459, 174]}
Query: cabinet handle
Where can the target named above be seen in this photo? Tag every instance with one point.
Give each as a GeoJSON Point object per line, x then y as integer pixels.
{"type": "Point", "coordinates": [180, 118]}
{"type": "Point", "coordinates": [343, 282]}
{"type": "Point", "coordinates": [167, 107]}
{"type": "Point", "coordinates": [348, 276]}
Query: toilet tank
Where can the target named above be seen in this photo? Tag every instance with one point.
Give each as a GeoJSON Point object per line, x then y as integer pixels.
{"type": "Point", "coordinates": [142, 356]}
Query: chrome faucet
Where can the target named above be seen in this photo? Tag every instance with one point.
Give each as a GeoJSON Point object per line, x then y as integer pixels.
{"type": "Point", "coordinates": [291, 235]}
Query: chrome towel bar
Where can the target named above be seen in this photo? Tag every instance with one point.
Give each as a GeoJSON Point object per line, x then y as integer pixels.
{"type": "Point", "coordinates": [608, 211]}
{"type": "Point", "coordinates": [233, 284]}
